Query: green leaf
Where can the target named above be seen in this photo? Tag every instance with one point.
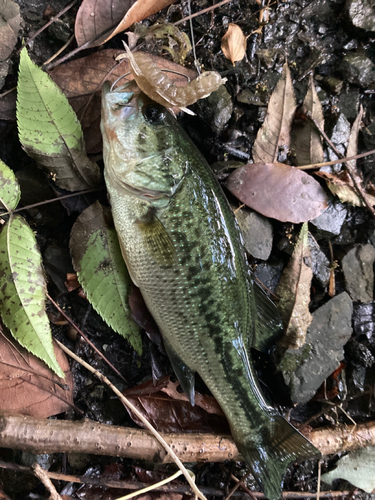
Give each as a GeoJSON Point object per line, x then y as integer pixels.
{"type": "Point", "coordinates": [102, 272]}
{"type": "Point", "coordinates": [10, 192]}
{"type": "Point", "coordinates": [294, 292]}
{"type": "Point", "coordinates": [23, 290]}
{"type": "Point", "coordinates": [49, 129]}
{"type": "Point", "coordinates": [358, 468]}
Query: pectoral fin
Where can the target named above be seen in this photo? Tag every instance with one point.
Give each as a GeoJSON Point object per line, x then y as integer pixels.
{"type": "Point", "coordinates": [158, 242]}
{"type": "Point", "coordinates": [185, 375]}
{"type": "Point", "coordinates": [268, 322]}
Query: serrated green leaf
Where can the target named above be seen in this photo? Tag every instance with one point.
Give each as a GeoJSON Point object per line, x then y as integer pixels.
{"type": "Point", "coordinates": [49, 129]}
{"type": "Point", "coordinates": [10, 192]}
{"type": "Point", "coordinates": [358, 468]}
{"type": "Point", "coordinates": [23, 290]}
{"type": "Point", "coordinates": [294, 292]}
{"type": "Point", "coordinates": [102, 272]}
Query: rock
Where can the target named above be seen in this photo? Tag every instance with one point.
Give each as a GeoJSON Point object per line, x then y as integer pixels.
{"type": "Point", "coordinates": [257, 233]}
{"type": "Point", "coordinates": [306, 368]}
{"type": "Point", "coordinates": [331, 220]}
{"type": "Point", "coordinates": [364, 320]}
{"type": "Point", "coordinates": [217, 109]}
{"type": "Point", "coordinates": [340, 138]}
{"type": "Point", "coordinates": [362, 14]}
{"type": "Point", "coordinates": [358, 354]}
{"type": "Point", "coordinates": [358, 69]}
{"type": "Point", "coordinates": [269, 274]}
{"type": "Point", "coordinates": [320, 263]}
{"type": "Point", "coordinates": [349, 103]}
{"type": "Point", "coordinates": [358, 272]}
{"type": "Point", "coordinates": [249, 97]}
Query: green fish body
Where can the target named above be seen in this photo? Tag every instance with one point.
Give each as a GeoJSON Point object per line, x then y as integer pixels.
{"type": "Point", "coordinates": [183, 250]}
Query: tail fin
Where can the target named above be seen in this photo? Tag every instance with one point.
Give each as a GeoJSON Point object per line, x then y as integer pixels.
{"type": "Point", "coordinates": [281, 444]}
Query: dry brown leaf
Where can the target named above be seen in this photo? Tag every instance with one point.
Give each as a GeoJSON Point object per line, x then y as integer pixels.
{"type": "Point", "coordinates": [341, 184]}
{"type": "Point", "coordinates": [78, 79]}
{"type": "Point", "coordinates": [275, 131]}
{"type": "Point", "coordinates": [162, 89]}
{"type": "Point", "coordinates": [142, 9]}
{"type": "Point", "coordinates": [170, 411]}
{"type": "Point", "coordinates": [294, 292]}
{"type": "Point", "coordinates": [278, 191]}
{"type": "Point", "coordinates": [307, 142]}
{"type": "Point", "coordinates": [98, 18]}
{"type": "Point", "coordinates": [28, 387]}
{"type": "Point", "coordinates": [9, 27]}
{"type": "Point", "coordinates": [233, 43]}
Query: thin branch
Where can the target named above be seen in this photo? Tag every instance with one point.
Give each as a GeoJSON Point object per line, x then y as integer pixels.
{"type": "Point", "coordinates": [182, 489]}
{"type": "Point", "coordinates": [61, 311]}
{"type": "Point", "coordinates": [47, 483]}
{"type": "Point", "coordinates": [351, 171]}
{"type": "Point", "coordinates": [334, 162]}
{"type": "Point", "coordinates": [52, 20]}
{"type": "Point", "coordinates": [39, 435]}
{"type": "Point", "coordinates": [145, 422]}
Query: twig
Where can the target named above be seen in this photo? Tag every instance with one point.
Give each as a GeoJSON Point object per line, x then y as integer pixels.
{"type": "Point", "coordinates": [178, 488]}
{"type": "Point", "coordinates": [52, 20]}
{"type": "Point", "coordinates": [334, 162]}
{"type": "Point", "coordinates": [41, 474]}
{"type": "Point", "coordinates": [38, 435]}
{"type": "Point", "coordinates": [353, 174]}
{"type": "Point", "coordinates": [145, 422]}
{"type": "Point", "coordinates": [61, 311]}
{"type": "Point", "coordinates": [203, 11]}
{"type": "Point", "coordinates": [52, 200]}
{"type": "Point", "coordinates": [61, 49]}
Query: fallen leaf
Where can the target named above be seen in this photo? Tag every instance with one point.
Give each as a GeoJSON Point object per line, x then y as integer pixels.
{"type": "Point", "coordinates": [103, 20]}
{"type": "Point", "coordinates": [141, 9]}
{"type": "Point", "coordinates": [9, 27]}
{"type": "Point", "coordinates": [307, 143]}
{"type": "Point", "coordinates": [278, 191]}
{"type": "Point", "coordinates": [49, 130]}
{"type": "Point", "coordinates": [10, 192]}
{"type": "Point", "coordinates": [341, 183]}
{"type": "Point", "coordinates": [101, 270]}
{"type": "Point", "coordinates": [294, 292]}
{"type": "Point", "coordinates": [23, 291]}
{"type": "Point", "coordinates": [275, 131]}
{"type": "Point", "coordinates": [233, 43]}
{"type": "Point", "coordinates": [8, 107]}
{"type": "Point", "coordinates": [28, 387]}
{"type": "Point", "coordinates": [170, 411]}
{"type": "Point", "coordinates": [358, 467]}
{"type": "Point", "coordinates": [80, 78]}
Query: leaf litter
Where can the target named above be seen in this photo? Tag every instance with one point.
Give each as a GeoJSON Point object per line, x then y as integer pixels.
{"type": "Point", "coordinates": [283, 146]}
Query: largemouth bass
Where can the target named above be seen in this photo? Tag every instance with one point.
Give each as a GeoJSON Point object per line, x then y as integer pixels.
{"type": "Point", "coordinates": [183, 250]}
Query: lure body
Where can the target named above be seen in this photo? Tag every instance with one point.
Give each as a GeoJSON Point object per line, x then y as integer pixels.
{"type": "Point", "coordinates": [183, 250]}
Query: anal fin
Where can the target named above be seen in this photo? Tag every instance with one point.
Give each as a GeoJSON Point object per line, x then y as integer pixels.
{"type": "Point", "coordinates": [185, 375]}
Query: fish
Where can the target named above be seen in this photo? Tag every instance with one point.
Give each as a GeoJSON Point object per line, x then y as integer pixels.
{"type": "Point", "coordinates": [183, 249]}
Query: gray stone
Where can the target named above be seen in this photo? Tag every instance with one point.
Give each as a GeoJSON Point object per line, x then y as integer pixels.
{"type": "Point", "coordinates": [331, 220]}
{"type": "Point", "coordinates": [257, 233]}
{"type": "Point", "coordinates": [320, 263]}
{"type": "Point", "coordinates": [218, 108]}
{"type": "Point", "coordinates": [362, 14]}
{"type": "Point", "coordinates": [268, 273]}
{"type": "Point", "coordinates": [358, 272]}
{"type": "Point", "coordinates": [358, 69]}
{"type": "Point", "coordinates": [306, 368]}
{"type": "Point", "coordinates": [349, 103]}
{"type": "Point", "coordinates": [340, 138]}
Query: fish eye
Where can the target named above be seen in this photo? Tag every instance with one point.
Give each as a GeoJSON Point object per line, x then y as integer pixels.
{"type": "Point", "coordinates": [153, 113]}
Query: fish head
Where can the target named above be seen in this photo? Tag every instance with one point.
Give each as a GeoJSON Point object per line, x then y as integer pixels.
{"type": "Point", "coordinates": [141, 146]}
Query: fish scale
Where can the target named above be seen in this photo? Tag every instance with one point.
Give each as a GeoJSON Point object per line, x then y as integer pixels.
{"type": "Point", "coordinates": [183, 250]}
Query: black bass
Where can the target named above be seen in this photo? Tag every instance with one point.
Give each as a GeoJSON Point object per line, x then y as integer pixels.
{"type": "Point", "coordinates": [183, 250]}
